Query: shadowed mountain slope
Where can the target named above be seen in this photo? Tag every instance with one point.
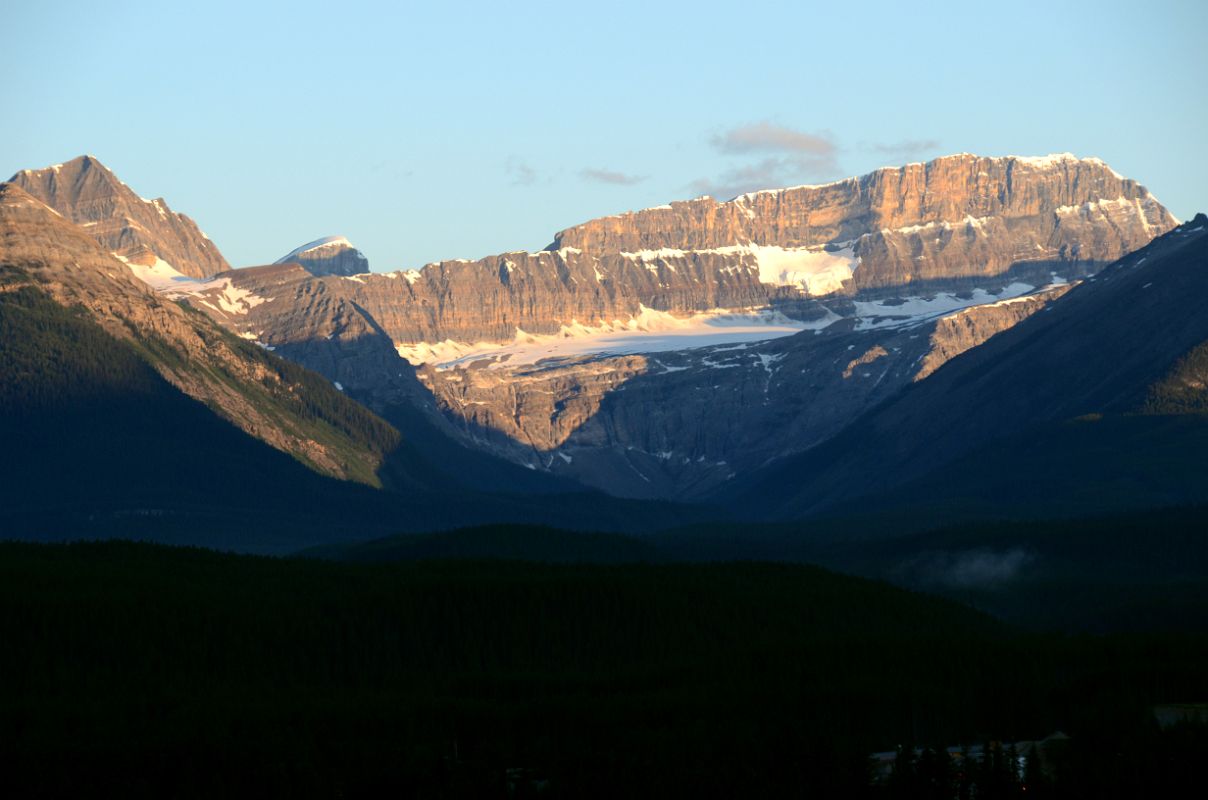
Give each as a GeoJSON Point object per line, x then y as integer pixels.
{"type": "Point", "coordinates": [1125, 347]}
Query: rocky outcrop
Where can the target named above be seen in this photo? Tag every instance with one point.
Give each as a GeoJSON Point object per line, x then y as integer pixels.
{"type": "Point", "coordinates": [264, 396]}
{"type": "Point", "coordinates": [85, 192]}
{"type": "Point", "coordinates": [957, 216]}
{"type": "Point", "coordinates": [527, 413]}
{"type": "Point", "coordinates": [333, 255]}
{"type": "Point", "coordinates": [964, 330]}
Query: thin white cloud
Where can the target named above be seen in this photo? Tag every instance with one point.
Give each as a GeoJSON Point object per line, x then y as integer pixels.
{"type": "Point", "coordinates": [610, 176]}
{"type": "Point", "coordinates": [790, 157]}
{"type": "Point", "coordinates": [905, 148]}
{"type": "Point", "coordinates": [522, 174]}
{"type": "Point", "coordinates": [767, 137]}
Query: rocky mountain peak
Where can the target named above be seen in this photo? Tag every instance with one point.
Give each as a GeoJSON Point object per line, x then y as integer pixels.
{"type": "Point", "coordinates": [86, 192]}
{"type": "Point", "coordinates": [331, 255]}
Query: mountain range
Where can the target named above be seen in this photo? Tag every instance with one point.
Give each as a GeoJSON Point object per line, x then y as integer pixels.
{"type": "Point", "coordinates": [970, 336]}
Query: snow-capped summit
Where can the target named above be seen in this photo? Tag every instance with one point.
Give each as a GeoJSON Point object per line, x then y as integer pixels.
{"type": "Point", "coordinates": [331, 255]}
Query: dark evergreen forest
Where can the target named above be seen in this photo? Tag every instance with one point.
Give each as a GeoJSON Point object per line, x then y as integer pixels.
{"type": "Point", "coordinates": [155, 671]}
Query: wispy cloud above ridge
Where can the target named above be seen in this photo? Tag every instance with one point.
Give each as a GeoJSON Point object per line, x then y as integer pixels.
{"type": "Point", "coordinates": [610, 176]}
{"type": "Point", "coordinates": [767, 137]}
{"type": "Point", "coordinates": [905, 148]}
{"type": "Point", "coordinates": [522, 174]}
{"type": "Point", "coordinates": [790, 156]}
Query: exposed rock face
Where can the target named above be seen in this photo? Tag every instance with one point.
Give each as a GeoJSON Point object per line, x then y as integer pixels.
{"type": "Point", "coordinates": [530, 411]}
{"type": "Point", "coordinates": [490, 299]}
{"type": "Point", "coordinates": [960, 221]}
{"type": "Point", "coordinates": [958, 216]}
{"type": "Point", "coordinates": [316, 324]}
{"type": "Point", "coordinates": [333, 255]}
{"type": "Point", "coordinates": [85, 192]}
{"type": "Point", "coordinates": [1036, 217]}
{"type": "Point", "coordinates": [964, 330]}
{"type": "Point", "coordinates": [236, 380]}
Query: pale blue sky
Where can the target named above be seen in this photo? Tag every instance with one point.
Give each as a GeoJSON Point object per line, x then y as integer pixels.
{"type": "Point", "coordinates": [426, 130]}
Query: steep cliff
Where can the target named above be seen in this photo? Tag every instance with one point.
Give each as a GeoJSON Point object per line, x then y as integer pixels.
{"type": "Point", "coordinates": [957, 216]}
{"type": "Point", "coordinates": [494, 298]}
{"type": "Point", "coordinates": [143, 231]}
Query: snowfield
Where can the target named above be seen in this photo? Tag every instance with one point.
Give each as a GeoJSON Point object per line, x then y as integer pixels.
{"type": "Point", "coordinates": [164, 279]}
{"type": "Point", "coordinates": [650, 331]}
{"type": "Point", "coordinates": [815, 271]}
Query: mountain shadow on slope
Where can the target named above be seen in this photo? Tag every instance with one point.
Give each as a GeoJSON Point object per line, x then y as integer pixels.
{"type": "Point", "coordinates": [1009, 405]}
{"type": "Point", "coordinates": [98, 444]}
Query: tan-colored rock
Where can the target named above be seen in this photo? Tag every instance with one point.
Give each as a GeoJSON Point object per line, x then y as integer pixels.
{"type": "Point", "coordinates": [85, 192]}
{"type": "Point", "coordinates": [960, 221]}
{"type": "Point", "coordinates": [529, 409]}
{"type": "Point", "coordinates": [964, 330]}
{"type": "Point", "coordinates": [956, 216]}
{"type": "Point", "coordinates": [491, 299]}
{"type": "Point", "coordinates": [870, 355]}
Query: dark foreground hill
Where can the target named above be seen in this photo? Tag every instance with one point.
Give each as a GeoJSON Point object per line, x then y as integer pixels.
{"type": "Point", "coordinates": [163, 672]}
{"type": "Point", "coordinates": [503, 542]}
{"type": "Point", "coordinates": [1136, 572]}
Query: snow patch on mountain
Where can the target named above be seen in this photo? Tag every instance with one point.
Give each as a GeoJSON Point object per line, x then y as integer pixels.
{"type": "Point", "coordinates": [905, 312]}
{"type": "Point", "coordinates": [815, 271]}
{"type": "Point", "coordinates": [971, 222]}
{"type": "Point", "coordinates": [650, 331]}
{"type": "Point", "coordinates": [163, 278]}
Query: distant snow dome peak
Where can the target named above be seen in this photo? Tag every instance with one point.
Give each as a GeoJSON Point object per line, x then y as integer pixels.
{"type": "Point", "coordinates": [331, 255]}
{"type": "Point", "coordinates": [326, 241]}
